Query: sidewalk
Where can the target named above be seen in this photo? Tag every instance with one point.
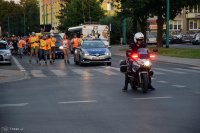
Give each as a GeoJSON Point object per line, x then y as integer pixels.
{"type": "Point", "coordinates": [193, 62]}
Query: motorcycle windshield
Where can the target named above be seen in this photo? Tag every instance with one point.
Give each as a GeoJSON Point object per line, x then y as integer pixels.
{"type": "Point", "coordinates": [143, 53]}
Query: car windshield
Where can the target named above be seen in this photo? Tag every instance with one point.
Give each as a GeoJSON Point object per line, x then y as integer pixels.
{"type": "Point", "coordinates": [3, 45]}
{"type": "Point", "coordinates": [93, 44]}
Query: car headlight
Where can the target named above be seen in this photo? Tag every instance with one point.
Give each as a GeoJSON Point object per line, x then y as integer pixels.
{"type": "Point", "coordinates": [108, 53]}
{"type": "Point", "coordinates": [85, 53]}
{"type": "Point", "coordinates": [7, 54]}
{"type": "Point", "coordinates": [61, 47]}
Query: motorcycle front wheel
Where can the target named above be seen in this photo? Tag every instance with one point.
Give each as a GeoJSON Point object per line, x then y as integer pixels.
{"type": "Point", "coordinates": [144, 82]}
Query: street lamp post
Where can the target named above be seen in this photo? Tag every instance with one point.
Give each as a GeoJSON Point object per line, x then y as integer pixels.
{"type": "Point", "coordinates": [124, 31]}
{"type": "Point", "coordinates": [167, 24]}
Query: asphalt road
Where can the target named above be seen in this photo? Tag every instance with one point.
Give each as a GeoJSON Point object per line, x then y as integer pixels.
{"type": "Point", "coordinates": [63, 98]}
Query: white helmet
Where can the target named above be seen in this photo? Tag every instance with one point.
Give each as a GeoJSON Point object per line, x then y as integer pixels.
{"type": "Point", "coordinates": [138, 35]}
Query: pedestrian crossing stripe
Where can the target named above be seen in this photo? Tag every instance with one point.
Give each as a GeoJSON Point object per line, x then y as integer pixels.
{"type": "Point", "coordinates": [110, 71]}
{"type": "Point", "coordinates": [59, 73]}
{"type": "Point", "coordinates": [82, 72]}
{"type": "Point", "coordinates": [37, 73]}
{"type": "Point", "coordinates": [171, 71]}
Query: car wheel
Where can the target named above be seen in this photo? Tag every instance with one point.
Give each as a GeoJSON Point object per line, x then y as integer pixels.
{"type": "Point", "coordinates": [109, 64]}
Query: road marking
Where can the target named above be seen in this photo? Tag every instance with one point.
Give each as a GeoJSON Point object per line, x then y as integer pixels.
{"type": "Point", "coordinates": [113, 68]}
{"type": "Point", "coordinates": [59, 73]}
{"type": "Point", "coordinates": [82, 72]}
{"type": "Point", "coordinates": [152, 98]}
{"type": "Point", "coordinates": [188, 70]}
{"type": "Point", "coordinates": [18, 64]}
{"type": "Point", "coordinates": [158, 73]}
{"type": "Point", "coordinates": [172, 71]}
{"type": "Point", "coordinates": [195, 68]}
{"type": "Point", "coordinates": [179, 86]}
{"type": "Point", "coordinates": [164, 82]}
{"type": "Point", "coordinates": [71, 102]}
{"type": "Point", "coordinates": [106, 71]}
{"type": "Point", "coordinates": [37, 73]}
{"type": "Point", "coordinates": [13, 105]}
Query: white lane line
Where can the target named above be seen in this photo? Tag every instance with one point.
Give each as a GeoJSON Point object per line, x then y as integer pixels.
{"type": "Point", "coordinates": [71, 102]}
{"type": "Point", "coordinates": [167, 70]}
{"type": "Point", "coordinates": [187, 70]}
{"type": "Point", "coordinates": [106, 71]}
{"type": "Point", "coordinates": [161, 81]}
{"type": "Point", "coordinates": [158, 73]}
{"type": "Point", "coordinates": [13, 105]}
{"type": "Point", "coordinates": [179, 86]}
{"type": "Point", "coordinates": [152, 98]}
{"type": "Point", "coordinates": [18, 64]}
{"type": "Point", "coordinates": [195, 68]}
{"type": "Point", "coordinates": [59, 73]}
{"type": "Point", "coordinates": [37, 73]}
{"type": "Point", "coordinates": [82, 72]}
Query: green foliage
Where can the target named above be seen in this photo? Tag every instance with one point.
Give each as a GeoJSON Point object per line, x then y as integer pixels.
{"type": "Point", "coordinates": [77, 12]}
{"type": "Point", "coordinates": [12, 16]}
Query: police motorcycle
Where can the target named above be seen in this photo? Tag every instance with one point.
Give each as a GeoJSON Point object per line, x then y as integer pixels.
{"type": "Point", "coordinates": [138, 68]}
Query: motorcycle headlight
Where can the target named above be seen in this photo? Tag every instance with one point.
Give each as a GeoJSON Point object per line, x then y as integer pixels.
{"type": "Point", "coordinates": [147, 63]}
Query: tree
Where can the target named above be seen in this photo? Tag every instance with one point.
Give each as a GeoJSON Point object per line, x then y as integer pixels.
{"type": "Point", "coordinates": [142, 9]}
{"type": "Point", "coordinates": [31, 10]}
{"type": "Point", "coordinates": [159, 10]}
{"type": "Point", "coordinates": [77, 12]}
{"type": "Point", "coordinates": [12, 16]}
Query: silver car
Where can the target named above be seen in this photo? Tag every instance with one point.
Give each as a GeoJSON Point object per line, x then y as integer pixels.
{"type": "Point", "coordinates": [5, 53]}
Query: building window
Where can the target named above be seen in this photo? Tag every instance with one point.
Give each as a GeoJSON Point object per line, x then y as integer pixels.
{"type": "Point", "coordinates": [194, 25]}
{"type": "Point", "coordinates": [176, 25]}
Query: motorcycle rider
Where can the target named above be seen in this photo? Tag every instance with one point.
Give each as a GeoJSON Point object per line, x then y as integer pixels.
{"type": "Point", "coordinates": [135, 44]}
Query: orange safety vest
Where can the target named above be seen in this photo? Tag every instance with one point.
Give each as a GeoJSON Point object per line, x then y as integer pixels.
{"type": "Point", "coordinates": [75, 42]}
{"type": "Point", "coordinates": [21, 43]}
{"type": "Point", "coordinates": [53, 42]}
{"type": "Point", "coordinates": [67, 43]}
{"type": "Point", "coordinates": [43, 44]}
{"type": "Point", "coordinates": [32, 41]}
{"type": "Point", "coordinates": [48, 44]}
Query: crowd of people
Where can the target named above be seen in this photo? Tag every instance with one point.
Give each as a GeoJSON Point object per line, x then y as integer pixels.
{"type": "Point", "coordinates": [43, 47]}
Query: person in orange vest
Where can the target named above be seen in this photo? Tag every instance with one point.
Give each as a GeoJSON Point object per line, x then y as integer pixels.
{"type": "Point", "coordinates": [53, 46]}
{"type": "Point", "coordinates": [34, 44]}
{"type": "Point", "coordinates": [21, 45]}
{"type": "Point", "coordinates": [75, 42]}
{"type": "Point", "coordinates": [65, 43]}
{"type": "Point", "coordinates": [48, 48]}
{"type": "Point", "coordinates": [43, 51]}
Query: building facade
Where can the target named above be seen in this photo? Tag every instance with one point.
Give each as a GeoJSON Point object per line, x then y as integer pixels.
{"type": "Point", "coordinates": [188, 21]}
{"type": "Point", "coordinates": [49, 10]}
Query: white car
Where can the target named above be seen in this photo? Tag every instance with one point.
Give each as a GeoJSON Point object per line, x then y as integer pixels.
{"type": "Point", "coordinates": [151, 39]}
{"type": "Point", "coordinates": [5, 53]}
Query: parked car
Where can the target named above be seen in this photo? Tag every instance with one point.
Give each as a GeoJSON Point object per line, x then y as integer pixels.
{"type": "Point", "coordinates": [92, 51]}
{"type": "Point", "coordinates": [196, 39]}
{"type": "Point", "coordinates": [151, 39]}
{"type": "Point", "coordinates": [5, 53]}
{"type": "Point", "coordinates": [171, 39]}
{"type": "Point", "coordinates": [182, 38]}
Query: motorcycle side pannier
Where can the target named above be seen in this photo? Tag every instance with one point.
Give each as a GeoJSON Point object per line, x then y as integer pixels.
{"type": "Point", "coordinates": [123, 66]}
